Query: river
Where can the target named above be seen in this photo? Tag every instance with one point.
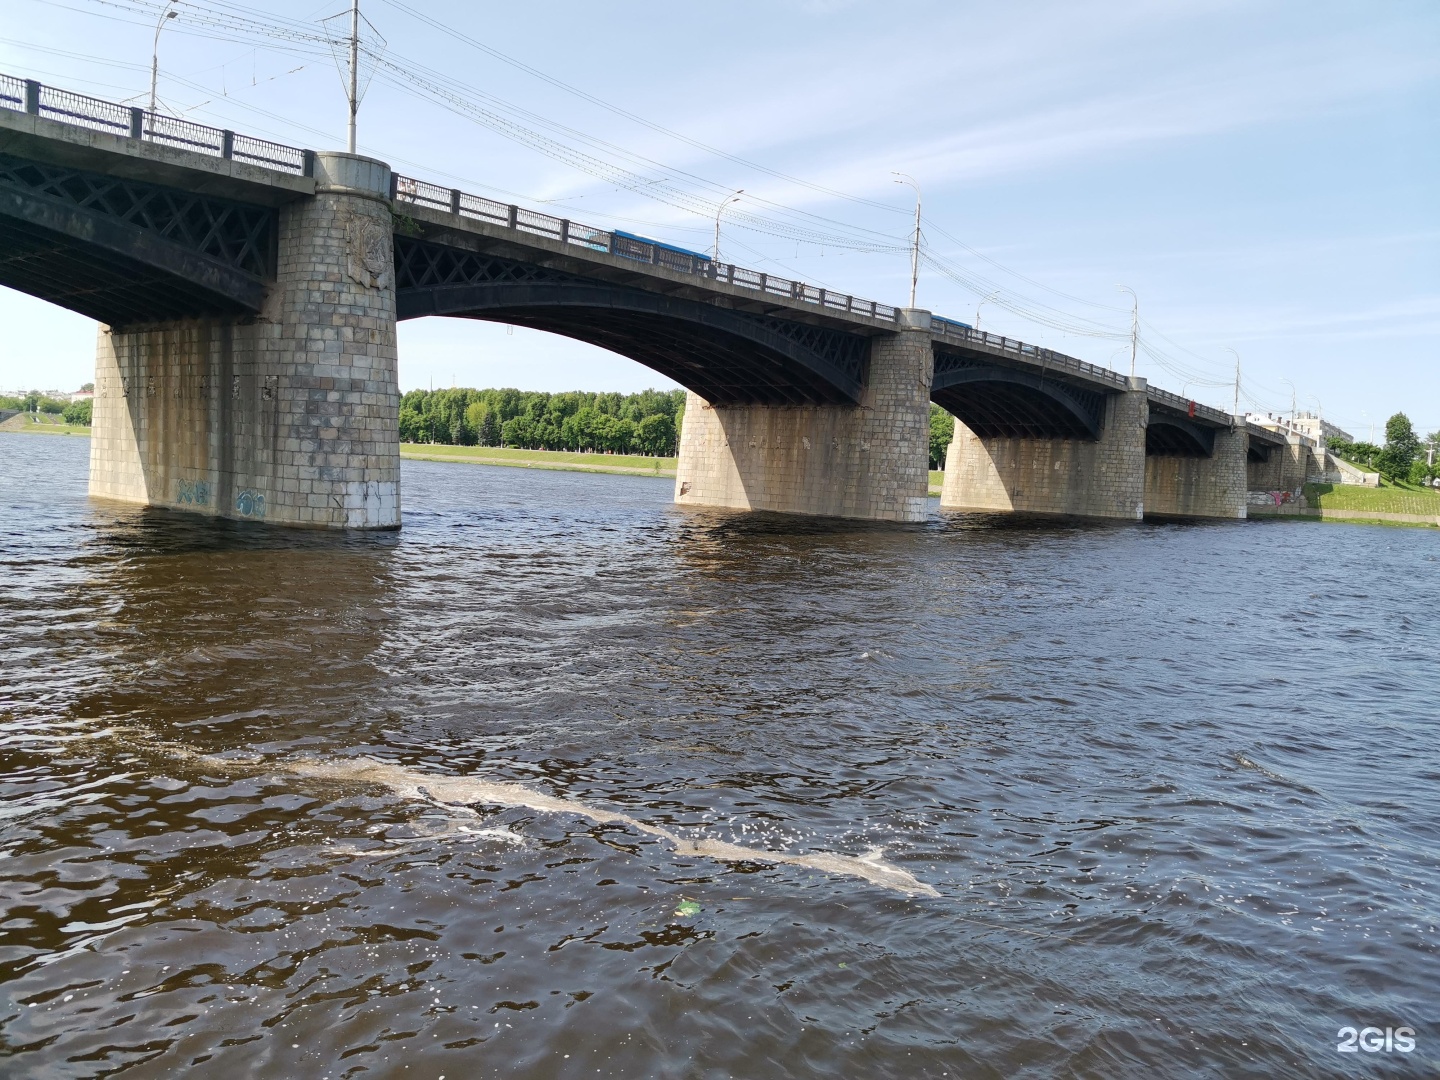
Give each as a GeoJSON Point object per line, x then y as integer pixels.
{"type": "Point", "coordinates": [494, 796]}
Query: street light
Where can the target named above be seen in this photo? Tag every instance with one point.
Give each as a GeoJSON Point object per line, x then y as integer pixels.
{"type": "Point", "coordinates": [1134, 326]}
{"type": "Point", "coordinates": [720, 210]}
{"type": "Point", "coordinates": [1235, 354]}
{"type": "Point", "coordinates": [166, 13]}
{"type": "Point", "coordinates": [1290, 384]}
{"type": "Point", "coordinates": [982, 303]}
{"type": "Point", "coordinates": [915, 247]}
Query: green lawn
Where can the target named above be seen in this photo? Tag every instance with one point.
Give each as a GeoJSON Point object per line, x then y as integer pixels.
{"type": "Point", "coordinates": [44, 424]}
{"type": "Point", "coordinates": [1386, 499]}
{"type": "Point", "coordinates": [545, 459]}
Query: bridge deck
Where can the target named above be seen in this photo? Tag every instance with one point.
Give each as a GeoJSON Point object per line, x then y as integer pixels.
{"type": "Point", "coordinates": [57, 126]}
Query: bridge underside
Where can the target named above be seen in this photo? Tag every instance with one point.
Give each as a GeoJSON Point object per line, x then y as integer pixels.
{"type": "Point", "coordinates": [1174, 436]}
{"type": "Point", "coordinates": [996, 402]}
{"type": "Point", "coordinates": [727, 357]}
{"type": "Point", "coordinates": [126, 252]}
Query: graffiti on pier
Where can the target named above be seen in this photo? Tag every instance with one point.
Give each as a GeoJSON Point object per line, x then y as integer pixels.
{"type": "Point", "coordinates": [194, 492]}
{"type": "Point", "coordinates": [251, 504]}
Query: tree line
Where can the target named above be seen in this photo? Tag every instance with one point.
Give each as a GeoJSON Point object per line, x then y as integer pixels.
{"type": "Point", "coordinates": [643, 423]}
{"type": "Point", "coordinates": [1403, 457]}
{"type": "Point", "coordinates": [74, 412]}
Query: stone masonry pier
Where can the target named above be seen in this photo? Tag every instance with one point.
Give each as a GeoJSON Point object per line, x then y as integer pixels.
{"type": "Point", "coordinates": [852, 461]}
{"type": "Point", "coordinates": [288, 416]}
{"type": "Point", "coordinates": [1100, 478]}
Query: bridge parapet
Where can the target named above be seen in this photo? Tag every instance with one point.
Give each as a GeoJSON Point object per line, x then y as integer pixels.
{"type": "Point", "coordinates": [81, 110]}
{"type": "Point", "coordinates": [532, 223]}
{"type": "Point", "coordinates": [1192, 410]}
{"type": "Point", "coordinates": [949, 332]}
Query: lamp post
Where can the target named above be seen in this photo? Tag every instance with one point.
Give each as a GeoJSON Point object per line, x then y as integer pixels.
{"type": "Point", "coordinates": [982, 303]}
{"type": "Point", "coordinates": [1319, 420]}
{"type": "Point", "coordinates": [1134, 326]}
{"type": "Point", "coordinates": [166, 13]}
{"type": "Point", "coordinates": [1293, 396]}
{"type": "Point", "coordinates": [902, 178]}
{"type": "Point", "coordinates": [720, 210]}
{"type": "Point", "coordinates": [354, 74]}
{"type": "Point", "coordinates": [1235, 354]}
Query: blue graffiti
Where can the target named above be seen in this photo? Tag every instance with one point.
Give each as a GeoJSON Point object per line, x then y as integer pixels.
{"type": "Point", "coordinates": [250, 504]}
{"type": "Point", "coordinates": [196, 492]}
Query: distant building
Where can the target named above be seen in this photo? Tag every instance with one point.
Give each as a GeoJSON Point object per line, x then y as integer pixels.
{"type": "Point", "coordinates": [1316, 427]}
{"type": "Point", "coordinates": [1306, 425]}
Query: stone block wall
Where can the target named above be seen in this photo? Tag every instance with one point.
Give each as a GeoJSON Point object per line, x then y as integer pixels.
{"type": "Point", "coordinates": [868, 461]}
{"type": "Point", "coordinates": [1073, 477]}
{"type": "Point", "coordinates": [1200, 487]}
{"type": "Point", "coordinates": [1287, 469]}
{"type": "Point", "coordinates": [290, 417]}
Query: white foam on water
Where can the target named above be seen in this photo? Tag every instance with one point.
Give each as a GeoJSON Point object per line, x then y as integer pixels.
{"type": "Point", "coordinates": [468, 791]}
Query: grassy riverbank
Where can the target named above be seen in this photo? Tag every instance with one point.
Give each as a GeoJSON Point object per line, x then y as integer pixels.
{"type": "Point", "coordinates": [43, 424]}
{"type": "Point", "coordinates": [1386, 499]}
{"type": "Point", "coordinates": [625, 464]}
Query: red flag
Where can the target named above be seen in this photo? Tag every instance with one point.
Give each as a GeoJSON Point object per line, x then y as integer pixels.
{"type": "Point", "coordinates": [1192, 410]}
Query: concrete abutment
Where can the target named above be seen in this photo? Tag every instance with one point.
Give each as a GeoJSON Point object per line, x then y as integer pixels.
{"type": "Point", "coordinates": [290, 416]}
{"type": "Point", "coordinates": [865, 461]}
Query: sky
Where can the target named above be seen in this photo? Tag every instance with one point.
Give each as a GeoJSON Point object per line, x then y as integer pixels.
{"type": "Point", "coordinates": [1262, 174]}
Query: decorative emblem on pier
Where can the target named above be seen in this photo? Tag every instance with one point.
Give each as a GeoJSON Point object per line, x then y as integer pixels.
{"type": "Point", "coordinates": [372, 262]}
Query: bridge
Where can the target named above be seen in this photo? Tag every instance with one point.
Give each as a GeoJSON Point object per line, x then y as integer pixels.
{"type": "Point", "coordinates": [246, 366]}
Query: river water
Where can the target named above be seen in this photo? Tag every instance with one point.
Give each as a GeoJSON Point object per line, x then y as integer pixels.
{"type": "Point", "coordinates": [468, 800]}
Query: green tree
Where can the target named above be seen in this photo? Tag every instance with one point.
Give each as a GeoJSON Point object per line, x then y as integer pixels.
{"type": "Point", "coordinates": [942, 430]}
{"type": "Point", "coordinates": [79, 412]}
{"type": "Point", "coordinates": [1401, 447]}
{"type": "Point", "coordinates": [655, 435]}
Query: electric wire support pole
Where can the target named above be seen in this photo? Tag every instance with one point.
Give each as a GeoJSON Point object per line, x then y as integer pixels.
{"type": "Point", "coordinates": [1134, 326]}
{"type": "Point", "coordinates": [354, 73]}
{"type": "Point", "coordinates": [915, 247]}
{"type": "Point", "coordinates": [1235, 354]}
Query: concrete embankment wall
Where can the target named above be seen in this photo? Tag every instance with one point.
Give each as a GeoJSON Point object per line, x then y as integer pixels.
{"type": "Point", "coordinates": [1293, 510]}
{"type": "Point", "coordinates": [1082, 478]}
{"type": "Point", "coordinates": [290, 417]}
{"type": "Point", "coordinates": [869, 461]}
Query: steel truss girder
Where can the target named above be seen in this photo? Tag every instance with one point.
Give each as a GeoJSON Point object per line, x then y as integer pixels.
{"type": "Point", "coordinates": [127, 253]}
{"type": "Point", "coordinates": [231, 233]}
{"type": "Point", "coordinates": [1001, 402]}
{"type": "Point", "coordinates": [725, 356]}
{"type": "Point", "coordinates": [1167, 435]}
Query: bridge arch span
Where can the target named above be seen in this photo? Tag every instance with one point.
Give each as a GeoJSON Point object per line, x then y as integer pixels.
{"type": "Point", "coordinates": [1174, 436]}
{"type": "Point", "coordinates": [998, 402]}
{"type": "Point", "coordinates": [728, 357]}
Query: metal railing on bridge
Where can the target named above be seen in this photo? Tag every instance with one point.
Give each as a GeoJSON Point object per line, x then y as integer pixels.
{"type": "Point", "coordinates": [68, 107]}
{"type": "Point", "coordinates": [454, 201]}
{"type": "Point", "coordinates": [80, 110]}
{"type": "Point", "coordinates": [1189, 406]}
{"type": "Point", "coordinates": [1046, 358]}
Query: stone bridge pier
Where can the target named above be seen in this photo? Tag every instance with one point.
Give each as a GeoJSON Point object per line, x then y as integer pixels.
{"type": "Point", "coordinates": [288, 416]}
{"type": "Point", "coordinates": [1195, 485]}
{"type": "Point", "coordinates": [868, 460]}
{"type": "Point", "coordinates": [1103, 477]}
